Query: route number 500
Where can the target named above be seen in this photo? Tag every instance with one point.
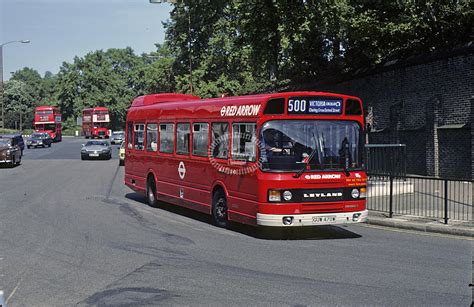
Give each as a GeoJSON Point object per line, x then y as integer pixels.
{"type": "Point", "coordinates": [296, 105]}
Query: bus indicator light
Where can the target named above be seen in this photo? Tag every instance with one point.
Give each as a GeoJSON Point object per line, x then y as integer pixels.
{"type": "Point", "coordinates": [274, 195]}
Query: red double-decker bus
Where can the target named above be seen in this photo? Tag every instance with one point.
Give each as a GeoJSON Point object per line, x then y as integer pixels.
{"type": "Point", "coordinates": [48, 119]}
{"type": "Point", "coordinates": [281, 159]}
{"type": "Point", "coordinates": [95, 122]}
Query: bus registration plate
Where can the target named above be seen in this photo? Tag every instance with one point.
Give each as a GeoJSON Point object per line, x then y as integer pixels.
{"type": "Point", "coordinates": [324, 219]}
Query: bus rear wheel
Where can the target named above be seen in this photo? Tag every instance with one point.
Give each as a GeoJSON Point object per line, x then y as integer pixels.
{"type": "Point", "coordinates": [151, 192]}
{"type": "Point", "coordinates": [219, 210]}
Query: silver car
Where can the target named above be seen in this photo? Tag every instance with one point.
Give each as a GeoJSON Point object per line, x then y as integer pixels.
{"type": "Point", "coordinates": [96, 150]}
{"type": "Point", "coordinates": [117, 137]}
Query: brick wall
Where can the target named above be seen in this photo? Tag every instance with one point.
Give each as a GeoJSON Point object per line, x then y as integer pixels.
{"type": "Point", "coordinates": [411, 100]}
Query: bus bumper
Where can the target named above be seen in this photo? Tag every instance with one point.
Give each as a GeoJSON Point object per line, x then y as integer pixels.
{"type": "Point", "coordinates": [291, 220]}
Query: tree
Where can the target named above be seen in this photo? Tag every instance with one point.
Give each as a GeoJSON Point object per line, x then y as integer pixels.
{"type": "Point", "coordinates": [111, 79]}
{"type": "Point", "coordinates": [19, 104]}
{"type": "Point", "coordinates": [155, 73]}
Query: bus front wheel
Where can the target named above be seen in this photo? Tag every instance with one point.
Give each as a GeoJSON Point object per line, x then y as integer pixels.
{"type": "Point", "coordinates": [151, 192]}
{"type": "Point", "coordinates": [219, 210]}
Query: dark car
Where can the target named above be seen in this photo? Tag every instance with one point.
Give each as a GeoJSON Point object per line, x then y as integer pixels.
{"type": "Point", "coordinates": [37, 139]}
{"type": "Point", "coordinates": [117, 137]}
{"type": "Point", "coordinates": [17, 140]}
{"type": "Point", "coordinates": [96, 149]}
{"type": "Point", "coordinates": [10, 151]}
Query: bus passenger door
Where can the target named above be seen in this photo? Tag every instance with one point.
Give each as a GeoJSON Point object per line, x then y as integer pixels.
{"type": "Point", "coordinates": [134, 154]}
{"type": "Point", "coordinates": [242, 182]}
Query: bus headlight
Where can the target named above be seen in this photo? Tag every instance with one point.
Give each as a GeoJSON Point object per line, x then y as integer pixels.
{"type": "Point", "coordinates": [355, 193]}
{"type": "Point", "coordinates": [287, 195]}
{"type": "Point", "coordinates": [274, 195]}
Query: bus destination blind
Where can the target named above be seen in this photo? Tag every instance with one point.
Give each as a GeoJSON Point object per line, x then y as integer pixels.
{"type": "Point", "coordinates": [314, 106]}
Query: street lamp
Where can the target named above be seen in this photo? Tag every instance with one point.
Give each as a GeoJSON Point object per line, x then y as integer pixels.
{"type": "Point", "coordinates": [25, 41]}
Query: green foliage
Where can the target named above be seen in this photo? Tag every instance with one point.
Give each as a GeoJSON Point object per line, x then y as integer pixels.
{"type": "Point", "coordinates": [102, 78]}
{"type": "Point", "coordinates": [236, 47]}
{"type": "Point", "coordinates": [18, 104]}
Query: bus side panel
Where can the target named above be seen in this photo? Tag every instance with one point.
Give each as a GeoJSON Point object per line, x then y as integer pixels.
{"type": "Point", "coordinates": [239, 210]}
{"type": "Point", "coordinates": [243, 193]}
{"type": "Point", "coordinates": [193, 191]}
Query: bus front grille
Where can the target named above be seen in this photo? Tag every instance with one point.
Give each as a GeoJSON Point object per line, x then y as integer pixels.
{"type": "Point", "coordinates": [322, 208]}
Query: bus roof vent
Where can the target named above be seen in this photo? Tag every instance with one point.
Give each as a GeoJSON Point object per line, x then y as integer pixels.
{"type": "Point", "coordinates": [160, 98]}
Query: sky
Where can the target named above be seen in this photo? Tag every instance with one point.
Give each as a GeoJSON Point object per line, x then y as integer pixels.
{"type": "Point", "coordinates": [59, 30]}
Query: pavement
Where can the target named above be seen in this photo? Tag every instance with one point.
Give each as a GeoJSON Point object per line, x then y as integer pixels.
{"type": "Point", "coordinates": [416, 223]}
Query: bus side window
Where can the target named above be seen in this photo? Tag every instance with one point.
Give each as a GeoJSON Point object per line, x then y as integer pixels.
{"type": "Point", "coordinates": [220, 140]}
{"type": "Point", "coordinates": [244, 141]}
{"type": "Point", "coordinates": [166, 138]}
{"type": "Point", "coordinates": [200, 139]}
{"type": "Point", "coordinates": [139, 136]}
{"type": "Point", "coordinates": [152, 137]}
{"type": "Point", "coordinates": [183, 136]}
{"type": "Point", "coordinates": [130, 135]}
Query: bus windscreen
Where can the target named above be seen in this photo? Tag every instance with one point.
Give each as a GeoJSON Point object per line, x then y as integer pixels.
{"type": "Point", "coordinates": [286, 145]}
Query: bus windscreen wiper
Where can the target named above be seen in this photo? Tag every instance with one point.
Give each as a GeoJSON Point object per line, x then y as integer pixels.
{"type": "Point", "coordinates": [310, 157]}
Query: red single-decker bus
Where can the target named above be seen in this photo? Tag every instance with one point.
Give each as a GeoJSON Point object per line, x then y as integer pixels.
{"type": "Point", "coordinates": [280, 159]}
{"type": "Point", "coordinates": [95, 122]}
{"type": "Point", "coordinates": [48, 119]}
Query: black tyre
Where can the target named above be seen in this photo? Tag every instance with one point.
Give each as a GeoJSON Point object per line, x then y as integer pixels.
{"type": "Point", "coordinates": [82, 157]}
{"type": "Point", "coordinates": [19, 162]}
{"type": "Point", "coordinates": [151, 192]}
{"type": "Point", "coordinates": [219, 210]}
{"type": "Point", "coordinates": [49, 145]}
{"type": "Point", "coordinates": [121, 162]}
{"type": "Point", "coordinates": [28, 146]}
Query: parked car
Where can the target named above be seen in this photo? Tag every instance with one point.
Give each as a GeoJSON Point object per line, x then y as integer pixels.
{"type": "Point", "coordinates": [10, 151]}
{"type": "Point", "coordinates": [17, 139]}
{"type": "Point", "coordinates": [96, 149]}
{"type": "Point", "coordinates": [122, 154]}
{"type": "Point", "coordinates": [117, 137]}
{"type": "Point", "coordinates": [37, 139]}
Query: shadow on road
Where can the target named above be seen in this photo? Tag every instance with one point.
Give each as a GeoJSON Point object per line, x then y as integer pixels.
{"type": "Point", "coordinates": [8, 165]}
{"type": "Point", "coordinates": [266, 233]}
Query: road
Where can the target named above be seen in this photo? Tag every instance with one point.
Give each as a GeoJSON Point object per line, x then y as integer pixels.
{"type": "Point", "coordinates": [72, 234]}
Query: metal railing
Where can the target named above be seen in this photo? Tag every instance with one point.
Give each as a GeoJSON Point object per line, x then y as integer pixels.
{"type": "Point", "coordinates": [386, 159]}
{"type": "Point", "coordinates": [446, 199]}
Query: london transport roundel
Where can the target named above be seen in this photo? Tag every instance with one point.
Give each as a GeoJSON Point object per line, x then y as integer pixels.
{"type": "Point", "coordinates": [181, 170]}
